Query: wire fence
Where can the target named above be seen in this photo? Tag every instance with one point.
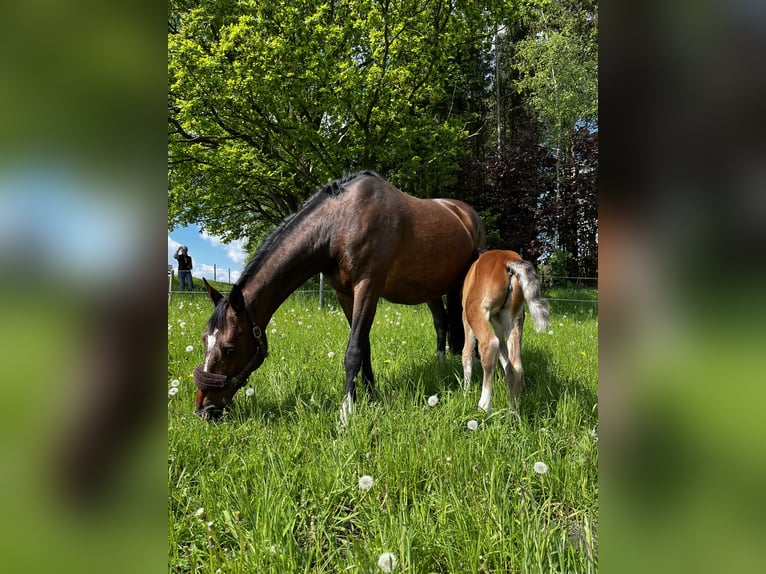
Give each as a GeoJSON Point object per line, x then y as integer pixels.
{"type": "Point", "coordinates": [548, 283]}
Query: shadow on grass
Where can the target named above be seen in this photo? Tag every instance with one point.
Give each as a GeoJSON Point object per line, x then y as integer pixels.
{"type": "Point", "coordinates": [418, 379]}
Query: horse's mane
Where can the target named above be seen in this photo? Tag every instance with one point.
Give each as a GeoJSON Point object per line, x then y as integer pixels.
{"type": "Point", "coordinates": [331, 189]}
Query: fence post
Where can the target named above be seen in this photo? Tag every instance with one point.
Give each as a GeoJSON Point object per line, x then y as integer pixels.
{"type": "Point", "coordinates": [321, 291]}
{"type": "Point", "coordinates": [170, 281]}
{"type": "Point", "coordinates": [214, 275]}
{"type": "Point", "coordinates": [229, 275]}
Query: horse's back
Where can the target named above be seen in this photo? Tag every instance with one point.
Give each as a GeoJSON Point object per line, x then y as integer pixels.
{"type": "Point", "coordinates": [416, 248]}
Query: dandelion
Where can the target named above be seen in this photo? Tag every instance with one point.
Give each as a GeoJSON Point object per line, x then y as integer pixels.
{"type": "Point", "coordinates": [200, 513]}
{"type": "Point", "coordinates": [175, 383]}
{"type": "Point", "coordinates": [472, 425]}
{"type": "Point", "coordinates": [210, 525]}
{"type": "Point", "coordinates": [387, 562]}
{"type": "Point", "coordinates": [540, 468]}
{"type": "Point", "coordinates": [249, 392]}
{"type": "Point", "coordinates": [273, 331]}
{"type": "Point", "coordinates": [182, 324]}
{"type": "Point", "coordinates": [330, 355]}
{"type": "Point", "coordinates": [189, 349]}
{"type": "Point", "coordinates": [592, 432]}
{"type": "Point", "coordinates": [172, 391]}
{"type": "Point", "coordinates": [366, 482]}
{"type": "Point", "coordinates": [582, 353]}
{"type": "Point", "coordinates": [433, 400]}
{"type": "Point", "coordinates": [550, 332]}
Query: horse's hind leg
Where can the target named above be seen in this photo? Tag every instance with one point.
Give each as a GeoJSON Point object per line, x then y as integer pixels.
{"type": "Point", "coordinates": [468, 348]}
{"type": "Point", "coordinates": [514, 372]}
{"type": "Point", "coordinates": [441, 323]}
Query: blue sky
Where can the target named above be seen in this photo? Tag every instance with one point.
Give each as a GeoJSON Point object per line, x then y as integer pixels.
{"type": "Point", "coordinates": [206, 251]}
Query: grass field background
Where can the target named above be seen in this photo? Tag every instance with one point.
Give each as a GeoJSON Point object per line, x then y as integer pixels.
{"type": "Point", "coordinates": [278, 480]}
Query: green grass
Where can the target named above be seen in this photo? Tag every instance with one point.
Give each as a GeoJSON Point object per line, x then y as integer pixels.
{"type": "Point", "coordinates": [279, 479]}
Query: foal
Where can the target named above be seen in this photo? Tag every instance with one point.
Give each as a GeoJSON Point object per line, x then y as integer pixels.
{"type": "Point", "coordinates": [493, 312]}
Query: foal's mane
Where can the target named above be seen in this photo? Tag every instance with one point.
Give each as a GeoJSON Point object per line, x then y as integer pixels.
{"type": "Point", "coordinates": [289, 223]}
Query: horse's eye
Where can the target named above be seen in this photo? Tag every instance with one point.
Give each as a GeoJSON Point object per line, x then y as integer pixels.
{"type": "Point", "coordinates": [228, 351]}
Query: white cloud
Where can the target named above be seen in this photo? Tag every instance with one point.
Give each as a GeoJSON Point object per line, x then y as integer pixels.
{"type": "Point", "coordinates": [172, 245]}
{"type": "Point", "coordinates": [235, 250]}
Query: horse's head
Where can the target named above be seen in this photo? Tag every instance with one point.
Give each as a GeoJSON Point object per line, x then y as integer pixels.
{"type": "Point", "coordinates": [234, 347]}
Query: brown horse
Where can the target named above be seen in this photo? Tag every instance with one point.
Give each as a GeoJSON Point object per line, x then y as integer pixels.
{"type": "Point", "coordinates": [493, 312]}
{"type": "Point", "coordinates": [370, 240]}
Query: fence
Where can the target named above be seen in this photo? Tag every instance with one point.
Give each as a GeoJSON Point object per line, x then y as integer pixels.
{"type": "Point", "coordinates": [320, 292]}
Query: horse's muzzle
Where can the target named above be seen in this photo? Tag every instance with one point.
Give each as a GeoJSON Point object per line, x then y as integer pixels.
{"type": "Point", "coordinates": [210, 412]}
{"type": "Point", "coordinates": [209, 381]}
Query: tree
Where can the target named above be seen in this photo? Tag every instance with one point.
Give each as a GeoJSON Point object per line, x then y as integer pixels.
{"type": "Point", "coordinates": [267, 100]}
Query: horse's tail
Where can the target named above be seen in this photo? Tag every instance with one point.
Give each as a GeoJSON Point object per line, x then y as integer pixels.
{"type": "Point", "coordinates": [530, 286]}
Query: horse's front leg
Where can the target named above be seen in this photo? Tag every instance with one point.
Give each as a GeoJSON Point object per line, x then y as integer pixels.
{"type": "Point", "coordinates": [358, 350]}
{"type": "Point", "coordinates": [347, 304]}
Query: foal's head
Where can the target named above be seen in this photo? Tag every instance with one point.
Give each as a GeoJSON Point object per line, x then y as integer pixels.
{"type": "Point", "coordinates": [234, 348]}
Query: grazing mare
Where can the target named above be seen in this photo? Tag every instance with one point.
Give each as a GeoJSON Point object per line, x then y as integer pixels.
{"type": "Point", "coordinates": [493, 312]}
{"type": "Point", "coordinates": [369, 240]}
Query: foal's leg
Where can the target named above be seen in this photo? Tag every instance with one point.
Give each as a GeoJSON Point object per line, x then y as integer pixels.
{"type": "Point", "coordinates": [488, 349]}
{"type": "Point", "coordinates": [441, 322]}
{"type": "Point", "coordinates": [514, 372]}
{"type": "Point", "coordinates": [358, 349]}
{"type": "Point", "coordinates": [468, 348]}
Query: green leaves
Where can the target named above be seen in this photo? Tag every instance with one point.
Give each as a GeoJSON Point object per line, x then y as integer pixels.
{"type": "Point", "coordinates": [268, 100]}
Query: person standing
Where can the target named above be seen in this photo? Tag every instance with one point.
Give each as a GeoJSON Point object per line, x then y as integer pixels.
{"type": "Point", "coordinates": [184, 267]}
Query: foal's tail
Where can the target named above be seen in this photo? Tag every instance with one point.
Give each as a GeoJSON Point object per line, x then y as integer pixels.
{"type": "Point", "coordinates": [530, 286]}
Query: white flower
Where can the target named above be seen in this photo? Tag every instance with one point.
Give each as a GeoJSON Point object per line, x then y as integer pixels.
{"type": "Point", "coordinates": [592, 432]}
{"type": "Point", "coordinates": [387, 562]}
{"type": "Point", "coordinates": [200, 513]}
{"type": "Point", "coordinates": [472, 425]}
{"type": "Point", "coordinates": [175, 383]}
{"type": "Point", "coordinates": [210, 525]}
{"type": "Point", "coordinates": [330, 355]}
{"type": "Point", "coordinates": [172, 391]}
{"type": "Point", "coordinates": [433, 400]}
{"type": "Point", "coordinates": [541, 468]}
{"type": "Point", "coordinates": [249, 392]}
{"type": "Point", "coordinates": [189, 349]}
{"type": "Point", "coordinates": [366, 482]}
{"type": "Point", "coordinates": [550, 332]}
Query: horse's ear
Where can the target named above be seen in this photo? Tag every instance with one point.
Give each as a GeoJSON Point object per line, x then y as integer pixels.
{"type": "Point", "coordinates": [214, 295]}
{"type": "Point", "coordinates": [236, 299]}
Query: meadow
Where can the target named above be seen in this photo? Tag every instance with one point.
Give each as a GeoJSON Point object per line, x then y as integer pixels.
{"type": "Point", "coordinates": [278, 486]}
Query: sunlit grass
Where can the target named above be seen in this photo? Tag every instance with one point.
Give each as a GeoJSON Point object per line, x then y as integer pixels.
{"type": "Point", "coordinates": [280, 480]}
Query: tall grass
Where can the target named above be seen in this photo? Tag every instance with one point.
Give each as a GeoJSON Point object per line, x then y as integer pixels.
{"type": "Point", "coordinates": [278, 477]}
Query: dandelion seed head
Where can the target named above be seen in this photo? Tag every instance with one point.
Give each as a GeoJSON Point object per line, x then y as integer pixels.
{"type": "Point", "coordinates": [189, 349]}
{"type": "Point", "coordinates": [433, 400]}
{"type": "Point", "coordinates": [210, 525]}
{"type": "Point", "coordinates": [330, 355]}
{"type": "Point", "coordinates": [175, 383]}
{"type": "Point", "coordinates": [273, 331]}
{"type": "Point", "coordinates": [249, 392]}
{"type": "Point", "coordinates": [550, 332]}
{"type": "Point", "coordinates": [387, 562]}
{"type": "Point", "coordinates": [366, 482]}
{"type": "Point", "coordinates": [540, 468]}
{"type": "Point", "coordinates": [472, 425]}
{"type": "Point", "coordinates": [172, 391]}
{"type": "Point", "coordinates": [200, 513]}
